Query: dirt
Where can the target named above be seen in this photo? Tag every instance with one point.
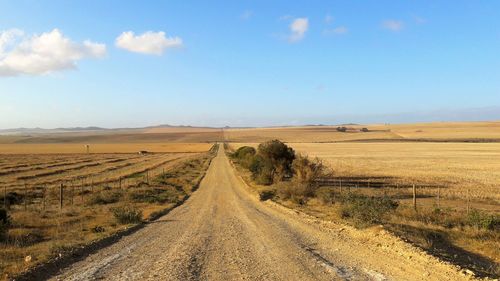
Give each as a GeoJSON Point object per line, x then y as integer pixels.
{"type": "Point", "coordinates": [222, 232]}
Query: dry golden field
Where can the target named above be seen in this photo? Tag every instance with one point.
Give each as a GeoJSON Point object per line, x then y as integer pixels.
{"type": "Point", "coordinates": [454, 167]}
{"type": "Point", "coordinates": [92, 185]}
{"type": "Point", "coordinates": [62, 148]}
{"type": "Point", "coordinates": [470, 131]}
{"type": "Point", "coordinates": [118, 136]}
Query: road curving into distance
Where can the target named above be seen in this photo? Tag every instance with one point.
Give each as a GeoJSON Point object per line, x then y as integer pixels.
{"type": "Point", "coordinates": [224, 233]}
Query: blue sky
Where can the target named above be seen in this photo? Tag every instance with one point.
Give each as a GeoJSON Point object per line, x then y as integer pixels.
{"type": "Point", "coordinates": [246, 63]}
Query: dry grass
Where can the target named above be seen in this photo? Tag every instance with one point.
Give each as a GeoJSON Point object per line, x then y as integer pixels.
{"type": "Point", "coordinates": [478, 131]}
{"type": "Point", "coordinates": [42, 231]}
{"type": "Point", "coordinates": [454, 166]}
{"type": "Point", "coordinates": [62, 148]}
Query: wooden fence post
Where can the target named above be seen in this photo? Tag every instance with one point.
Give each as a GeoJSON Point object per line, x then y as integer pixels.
{"type": "Point", "coordinates": [25, 196]}
{"type": "Point", "coordinates": [414, 198]}
{"type": "Point", "coordinates": [44, 190]}
{"type": "Point", "coordinates": [439, 197]}
{"type": "Point", "coordinates": [72, 192]}
{"type": "Point", "coordinates": [468, 201]}
{"type": "Point", "coordinates": [5, 197]}
{"type": "Point", "coordinates": [82, 189]}
{"type": "Point", "coordinates": [61, 195]}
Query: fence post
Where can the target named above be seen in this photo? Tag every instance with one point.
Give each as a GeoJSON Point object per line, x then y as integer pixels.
{"type": "Point", "coordinates": [439, 197]}
{"type": "Point", "coordinates": [72, 192]}
{"type": "Point", "coordinates": [92, 185]}
{"type": "Point", "coordinates": [468, 201]}
{"type": "Point", "coordinates": [25, 196]}
{"type": "Point", "coordinates": [340, 181]}
{"type": "Point", "coordinates": [82, 189]}
{"type": "Point", "coordinates": [61, 195]}
{"type": "Point", "coordinates": [414, 198]}
{"type": "Point", "coordinates": [120, 182]}
{"type": "Point", "coordinates": [43, 196]}
{"type": "Point", "coordinates": [5, 197]}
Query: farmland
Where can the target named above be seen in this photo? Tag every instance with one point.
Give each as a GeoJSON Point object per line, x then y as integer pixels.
{"type": "Point", "coordinates": [458, 169]}
{"type": "Point", "coordinates": [442, 132]}
{"type": "Point", "coordinates": [58, 199]}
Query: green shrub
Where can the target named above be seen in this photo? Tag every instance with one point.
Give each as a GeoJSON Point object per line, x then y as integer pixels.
{"type": "Point", "coordinates": [364, 210]}
{"type": "Point", "coordinates": [105, 197]}
{"type": "Point", "coordinates": [262, 170]}
{"type": "Point", "coordinates": [4, 224]}
{"type": "Point", "coordinates": [482, 220]}
{"type": "Point", "coordinates": [244, 155]}
{"type": "Point", "coordinates": [279, 156]}
{"type": "Point", "coordinates": [127, 215]}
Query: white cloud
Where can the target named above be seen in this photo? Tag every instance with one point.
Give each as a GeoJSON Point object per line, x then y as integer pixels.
{"type": "Point", "coordinates": [151, 43]}
{"type": "Point", "coordinates": [246, 15]}
{"type": "Point", "coordinates": [393, 25]}
{"type": "Point", "coordinates": [42, 54]}
{"type": "Point", "coordinates": [336, 31]}
{"type": "Point", "coordinates": [298, 29]}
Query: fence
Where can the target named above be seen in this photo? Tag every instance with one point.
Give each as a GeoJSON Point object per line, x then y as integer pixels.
{"type": "Point", "coordinates": [415, 195]}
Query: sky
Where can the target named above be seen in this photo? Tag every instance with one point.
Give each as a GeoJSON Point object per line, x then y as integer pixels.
{"type": "Point", "coordinates": [247, 63]}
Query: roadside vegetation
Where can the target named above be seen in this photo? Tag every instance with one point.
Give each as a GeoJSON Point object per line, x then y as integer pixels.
{"type": "Point", "coordinates": [37, 233]}
{"type": "Point", "coordinates": [469, 239]}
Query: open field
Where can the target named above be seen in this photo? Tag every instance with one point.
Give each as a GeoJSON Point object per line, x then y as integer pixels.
{"type": "Point", "coordinates": [470, 131]}
{"type": "Point", "coordinates": [458, 169]}
{"type": "Point", "coordinates": [61, 148]}
{"type": "Point", "coordinates": [420, 207]}
{"type": "Point", "coordinates": [89, 187]}
{"type": "Point", "coordinates": [115, 136]}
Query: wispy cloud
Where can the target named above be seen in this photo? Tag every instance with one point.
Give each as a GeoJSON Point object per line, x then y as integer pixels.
{"type": "Point", "coordinates": [150, 43]}
{"type": "Point", "coordinates": [336, 31]}
{"type": "Point", "coordinates": [298, 29]}
{"type": "Point", "coordinates": [393, 25]}
{"type": "Point", "coordinates": [246, 15]}
{"type": "Point", "coordinates": [42, 54]}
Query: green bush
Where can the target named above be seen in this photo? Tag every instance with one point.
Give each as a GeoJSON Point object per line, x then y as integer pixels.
{"type": "Point", "coordinates": [244, 155]}
{"type": "Point", "coordinates": [127, 215]}
{"type": "Point", "coordinates": [365, 210]}
{"type": "Point", "coordinates": [105, 197]}
{"type": "Point", "coordinates": [262, 170]}
{"type": "Point", "coordinates": [482, 220]}
{"type": "Point", "coordinates": [280, 157]}
{"type": "Point", "coordinates": [4, 224]}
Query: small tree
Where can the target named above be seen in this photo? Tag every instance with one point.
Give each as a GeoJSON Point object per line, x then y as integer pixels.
{"type": "Point", "coordinates": [278, 156]}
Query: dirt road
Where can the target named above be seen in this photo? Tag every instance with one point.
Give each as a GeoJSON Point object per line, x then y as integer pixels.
{"type": "Point", "coordinates": [224, 233]}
